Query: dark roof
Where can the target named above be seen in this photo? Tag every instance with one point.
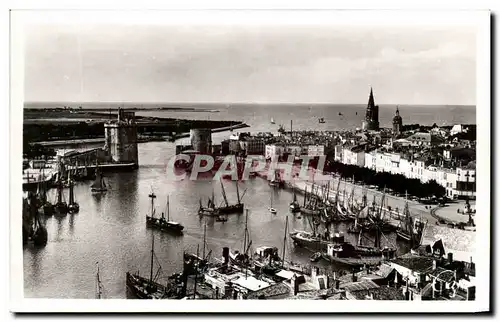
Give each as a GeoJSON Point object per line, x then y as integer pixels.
{"type": "Point", "coordinates": [381, 293]}
{"type": "Point", "coordinates": [415, 263]}
{"type": "Point", "coordinates": [361, 285]}
{"type": "Point", "coordinates": [271, 291]}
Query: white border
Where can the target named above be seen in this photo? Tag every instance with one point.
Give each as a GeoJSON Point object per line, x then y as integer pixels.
{"type": "Point", "coordinates": [479, 19]}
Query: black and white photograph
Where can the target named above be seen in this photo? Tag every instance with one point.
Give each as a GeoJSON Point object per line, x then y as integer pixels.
{"type": "Point", "coordinates": [234, 156]}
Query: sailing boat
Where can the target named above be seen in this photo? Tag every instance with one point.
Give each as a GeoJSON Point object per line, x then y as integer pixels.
{"type": "Point", "coordinates": [166, 224]}
{"type": "Point", "coordinates": [99, 186]}
{"type": "Point", "coordinates": [271, 209]}
{"type": "Point", "coordinates": [294, 205]}
{"type": "Point", "coordinates": [272, 121]}
{"type": "Point", "coordinates": [73, 206]}
{"type": "Point", "coordinates": [61, 206]}
{"type": "Point", "coordinates": [98, 284]}
{"type": "Point", "coordinates": [147, 288]}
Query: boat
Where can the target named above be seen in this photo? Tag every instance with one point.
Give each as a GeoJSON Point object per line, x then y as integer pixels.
{"type": "Point", "coordinates": [146, 288]}
{"type": "Point", "coordinates": [99, 185]}
{"type": "Point", "coordinates": [315, 242]}
{"type": "Point", "coordinates": [73, 206]}
{"type": "Point", "coordinates": [272, 121]}
{"type": "Point", "coordinates": [47, 207]}
{"type": "Point", "coordinates": [321, 120]}
{"type": "Point", "coordinates": [315, 257]}
{"type": "Point", "coordinates": [294, 205]}
{"type": "Point", "coordinates": [162, 223]}
{"type": "Point", "coordinates": [213, 210]}
{"type": "Point", "coordinates": [33, 227]}
{"type": "Point", "coordinates": [60, 207]}
{"type": "Point", "coordinates": [271, 209]}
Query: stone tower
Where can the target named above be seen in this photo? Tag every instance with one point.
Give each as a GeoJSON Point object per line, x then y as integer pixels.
{"type": "Point", "coordinates": [397, 123]}
{"type": "Point", "coordinates": [371, 119]}
{"type": "Point", "coordinates": [121, 138]}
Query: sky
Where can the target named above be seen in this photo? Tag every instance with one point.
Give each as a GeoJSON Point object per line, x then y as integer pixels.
{"type": "Point", "coordinates": [261, 64]}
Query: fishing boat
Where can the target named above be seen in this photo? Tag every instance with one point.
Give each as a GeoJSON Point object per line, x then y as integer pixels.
{"type": "Point", "coordinates": [47, 207]}
{"type": "Point", "coordinates": [73, 206]}
{"type": "Point", "coordinates": [99, 185]}
{"type": "Point", "coordinates": [147, 288]}
{"type": "Point", "coordinates": [314, 241]}
{"type": "Point", "coordinates": [61, 207]}
{"type": "Point", "coordinates": [225, 207]}
{"type": "Point", "coordinates": [294, 205]}
{"type": "Point", "coordinates": [271, 209]}
{"type": "Point", "coordinates": [33, 227]}
{"type": "Point", "coordinates": [162, 223]}
{"type": "Point", "coordinates": [410, 230]}
{"type": "Point", "coordinates": [310, 204]}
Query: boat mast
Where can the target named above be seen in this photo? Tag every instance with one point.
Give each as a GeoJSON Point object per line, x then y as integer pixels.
{"type": "Point", "coordinates": [224, 193]}
{"type": "Point", "coordinates": [152, 196]}
{"type": "Point", "coordinates": [196, 270]}
{"type": "Point", "coordinates": [284, 244]}
{"type": "Point", "coordinates": [152, 256]}
{"type": "Point", "coordinates": [204, 238]}
{"type": "Point", "coordinates": [168, 209]}
{"type": "Point", "coordinates": [238, 192]}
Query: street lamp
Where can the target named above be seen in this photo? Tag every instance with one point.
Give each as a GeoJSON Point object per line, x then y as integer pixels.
{"type": "Point", "coordinates": [467, 209]}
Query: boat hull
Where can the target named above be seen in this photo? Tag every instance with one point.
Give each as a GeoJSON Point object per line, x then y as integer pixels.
{"type": "Point", "coordinates": [141, 288]}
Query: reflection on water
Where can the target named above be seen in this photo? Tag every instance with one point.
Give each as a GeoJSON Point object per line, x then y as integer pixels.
{"type": "Point", "coordinates": [110, 228]}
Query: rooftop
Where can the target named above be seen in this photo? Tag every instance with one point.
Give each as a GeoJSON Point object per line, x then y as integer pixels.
{"type": "Point", "coordinates": [415, 263]}
{"type": "Point", "coordinates": [383, 293]}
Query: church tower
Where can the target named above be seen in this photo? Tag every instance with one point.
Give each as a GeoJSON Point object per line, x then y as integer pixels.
{"type": "Point", "coordinates": [371, 119]}
{"type": "Point", "coordinates": [397, 123]}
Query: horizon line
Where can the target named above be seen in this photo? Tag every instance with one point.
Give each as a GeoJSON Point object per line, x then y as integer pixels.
{"type": "Point", "coordinates": [237, 103]}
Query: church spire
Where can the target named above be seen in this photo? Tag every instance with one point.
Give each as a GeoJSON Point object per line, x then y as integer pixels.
{"type": "Point", "coordinates": [371, 101]}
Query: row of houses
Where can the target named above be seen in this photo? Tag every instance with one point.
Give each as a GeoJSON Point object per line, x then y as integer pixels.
{"type": "Point", "coordinates": [459, 182]}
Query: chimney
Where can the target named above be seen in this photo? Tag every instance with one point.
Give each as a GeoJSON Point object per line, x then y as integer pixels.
{"type": "Point", "coordinates": [450, 258]}
{"type": "Point", "coordinates": [434, 265]}
{"type": "Point", "coordinates": [225, 254]}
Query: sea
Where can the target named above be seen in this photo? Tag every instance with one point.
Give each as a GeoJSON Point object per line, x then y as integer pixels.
{"type": "Point", "coordinates": [110, 229]}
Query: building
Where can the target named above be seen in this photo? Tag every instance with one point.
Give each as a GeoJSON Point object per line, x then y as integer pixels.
{"type": "Point", "coordinates": [274, 151]}
{"type": "Point", "coordinates": [315, 150]}
{"type": "Point", "coordinates": [424, 139]}
{"type": "Point", "coordinates": [253, 146]}
{"type": "Point", "coordinates": [371, 160]}
{"type": "Point", "coordinates": [371, 122]}
{"type": "Point", "coordinates": [338, 153]}
{"type": "Point", "coordinates": [354, 155]}
{"type": "Point", "coordinates": [121, 138]}
{"type": "Point", "coordinates": [397, 123]}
